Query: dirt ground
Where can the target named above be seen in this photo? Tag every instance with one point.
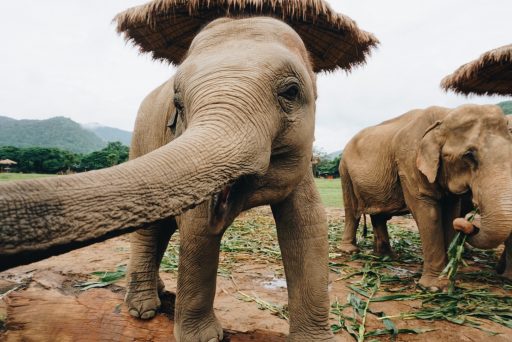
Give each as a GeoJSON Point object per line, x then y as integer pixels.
{"type": "Point", "coordinates": [41, 301]}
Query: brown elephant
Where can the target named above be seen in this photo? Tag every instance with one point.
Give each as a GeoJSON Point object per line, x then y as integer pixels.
{"type": "Point", "coordinates": [231, 130]}
{"type": "Point", "coordinates": [428, 162]}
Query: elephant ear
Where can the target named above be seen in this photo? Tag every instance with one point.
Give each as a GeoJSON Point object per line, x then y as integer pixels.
{"type": "Point", "coordinates": [429, 152]}
{"type": "Point", "coordinates": [166, 28]}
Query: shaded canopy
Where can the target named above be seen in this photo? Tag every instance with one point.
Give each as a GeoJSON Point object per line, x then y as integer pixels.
{"type": "Point", "coordinates": [165, 28]}
{"type": "Point", "coordinates": [7, 162]}
{"type": "Point", "coordinates": [491, 74]}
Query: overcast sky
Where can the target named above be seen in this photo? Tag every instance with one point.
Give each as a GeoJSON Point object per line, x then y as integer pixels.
{"type": "Point", "coordinates": [64, 58]}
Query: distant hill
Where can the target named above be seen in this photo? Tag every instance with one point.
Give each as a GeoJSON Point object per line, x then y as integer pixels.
{"type": "Point", "coordinates": [110, 134]}
{"type": "Point", "coordinates": [334, 154]}
{"type": "Point", "coordinates": [506, 106]}
{"type": "Point", "coordinates": [57, 132]}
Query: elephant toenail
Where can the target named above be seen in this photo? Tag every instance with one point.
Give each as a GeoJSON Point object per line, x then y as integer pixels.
{"type": "Point", "coordinates": [148, 314]}
{"type": "Point", "coordinates": [134, 313]}
{"type": "Point", "coordinates": [213, 340]}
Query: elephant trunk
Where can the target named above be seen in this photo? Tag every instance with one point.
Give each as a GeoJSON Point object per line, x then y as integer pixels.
{"type": "Point", "coordinates": [41, 218]}
{"type": "Point", "coordinates": [495, 206]}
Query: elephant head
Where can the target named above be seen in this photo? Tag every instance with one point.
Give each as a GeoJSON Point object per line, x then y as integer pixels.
{"type": "Point", "coordinates": [243, 104]}
{"type": "Point", "coordinates": [470, 150]}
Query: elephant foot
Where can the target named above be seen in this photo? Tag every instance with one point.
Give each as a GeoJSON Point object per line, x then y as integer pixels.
{"type": "Point", "coordinates": [207, 329]}
{"type": "Point", "coordinates": [432, 283]}
{"type": "Point", "coordinates": [143, 299]}
{"type": "Point", "coordinates": [383, 249]}
{"type": "Point", "coordinates": [348, 248]}
{"type": "Point", "coordinates": [507, 275]}
{"type": "Point", "coordinates": [502, 263]}
{"type": "Point", "coordinates": [143, 305]}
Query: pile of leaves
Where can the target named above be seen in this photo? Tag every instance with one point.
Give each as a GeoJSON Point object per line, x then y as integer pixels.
{"type": "Point", "coordinates": [398, 276]}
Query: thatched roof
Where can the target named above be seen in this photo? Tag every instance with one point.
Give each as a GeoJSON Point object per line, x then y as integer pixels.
{"type": "Point", "coordinates": [7, 162]}
{"type": "Point", "coordinates": [491, 74]}
{"type": "Point", "coordinates": [166, 27]}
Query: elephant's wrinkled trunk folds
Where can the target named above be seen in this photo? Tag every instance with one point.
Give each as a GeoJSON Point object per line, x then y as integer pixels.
{"type": "Point", "coordinates": [495, 204]}
{"type": "Point", "coordinates": [41, 218]}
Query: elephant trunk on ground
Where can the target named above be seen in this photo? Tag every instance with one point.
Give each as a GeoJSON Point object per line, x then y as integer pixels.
{"type": "Point", "coordinates": [495, 206]}
{"type": "Point", "coordinates": [41, 218]}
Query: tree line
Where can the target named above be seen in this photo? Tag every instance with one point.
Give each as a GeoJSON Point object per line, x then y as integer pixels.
{"type": "Point", "coordinates": [323, 165]}
{"type": "Point", "coordinates": [55, 160]}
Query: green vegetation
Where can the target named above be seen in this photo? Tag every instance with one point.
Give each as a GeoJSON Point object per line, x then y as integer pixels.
{"type": "Point", "coordinates": [53, 160]}
{"type": "Point", "coordinates": [115, 153]}
{"type": "Point", "coordinates": [104, 278]}
{"type": "Point", "coordinates": [330, 192]}
{"type": "Point", "coordinates": [506, 106]}
{"type": "Point", "coordinates": [4, 177]}
{"type": "Point", "coordinates": [326, 164]}
{"type": "Point", "coordinates": [58, 132]}
{"type": "Point", "coordinates": [465, 306]}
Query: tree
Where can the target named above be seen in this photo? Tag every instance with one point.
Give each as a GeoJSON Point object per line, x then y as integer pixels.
{"type": "Point", "coordinates": [39, 159]}
{"type": "Point", "coordinates": [323, 165]}
{"type": "Point", "coordinates": [115, 153]}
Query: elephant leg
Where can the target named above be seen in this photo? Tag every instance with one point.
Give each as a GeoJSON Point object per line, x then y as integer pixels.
{"type": "Point", "coordinates": [197, 276]}
{"type": "Point", "coordinates": [146, 250]}
{"type": "Point", "coordinates": [381, 245]}
{"type": "Point", "coordinates": [352, 215]}
{"type": "Point", "coordinates": [504, 266]}
{"type": "Point", "coordinates": [349, 241]}
{"type": "Point", "coordinates": [428, 216]}
{"type": "Point", "coordinates": [302, 232]}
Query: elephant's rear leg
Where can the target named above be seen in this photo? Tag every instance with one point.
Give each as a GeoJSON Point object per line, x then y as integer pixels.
{"type": "Point", "coordinates": [348, 241]}
{"type": "Point", "coordinates": [352, 213]}
{"type": "Point", "coordinates": [381, 245]}
{"type": "Point", "coordinates": [144, 285]}
{"type": "Point", "coordinates": [504, 266]}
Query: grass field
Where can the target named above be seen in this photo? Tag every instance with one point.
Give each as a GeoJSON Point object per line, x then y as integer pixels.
{"type": "Point", "coordinates": [330, 191]}
{"type": "Point", "coordinates": [19, 176]}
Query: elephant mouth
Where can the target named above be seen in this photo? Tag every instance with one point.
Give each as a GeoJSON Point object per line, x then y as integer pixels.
{"type": "Point", "coordinates": [226, 204]}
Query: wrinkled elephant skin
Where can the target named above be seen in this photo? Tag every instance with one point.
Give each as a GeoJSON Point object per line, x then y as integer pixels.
{"type": "Point", "coordinates": [231, 130]}
{"type": "Point", "coordinates": [432, 163]}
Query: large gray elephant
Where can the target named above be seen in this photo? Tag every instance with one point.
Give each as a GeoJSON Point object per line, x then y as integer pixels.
{"type": "Point", "coordinates": [231, 130]}
{"type": "Point", "coordinates": [429, 162]}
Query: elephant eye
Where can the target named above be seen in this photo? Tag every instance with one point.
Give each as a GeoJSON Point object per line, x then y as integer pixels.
{"type": "Point", "coordinates": [290, 93]}
{"type": "Point", "coordinates": [178, 104]}
{"type": "Point", "coordinates": [470, 156]}
{"type": "Point", "coordinates": [178, 108]}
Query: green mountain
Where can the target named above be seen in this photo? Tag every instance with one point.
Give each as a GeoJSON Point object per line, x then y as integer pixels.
{"type": "Point", "coordinates": [333, 155]}
{"type": "Point", "coordinates": [57, 132]}
{"type": "Point", "coordinates": [506, 106]}
{"type": "Point", "coordinates": [110, 134]}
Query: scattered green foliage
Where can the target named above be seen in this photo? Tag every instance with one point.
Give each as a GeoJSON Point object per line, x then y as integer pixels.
{"type": "Point", "coordinates": [105, 278]}
{"type": "Point", "coordinates": [460, 307]}
{"type": "Point", "coordinates": [397, 277]}
{"type": "Point", "coordinates": [171, 257]}
{"type": "Point", "coordinates": [455, 251]}
{"type": "Point", "coordinates": [280, 311]}
{"type": "Point", "coordinates": [454, 259]}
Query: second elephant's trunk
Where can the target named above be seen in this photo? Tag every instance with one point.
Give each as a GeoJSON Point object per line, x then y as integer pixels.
{"type": "Point", "coordinates": [496, 216]}
{"type": "Point", "coordinates": [41, 218]}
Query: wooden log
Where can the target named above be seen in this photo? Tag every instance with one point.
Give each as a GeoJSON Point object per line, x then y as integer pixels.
{"type": "Point", "coordinates": [42, 315]}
